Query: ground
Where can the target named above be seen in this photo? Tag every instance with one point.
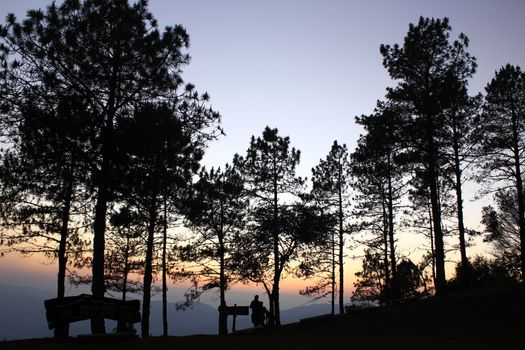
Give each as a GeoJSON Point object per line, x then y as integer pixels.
{"type": "Point", "coordinates": [481, 318]}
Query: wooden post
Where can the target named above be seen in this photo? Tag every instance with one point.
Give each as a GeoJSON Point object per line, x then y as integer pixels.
{"type": "Point", "coordinates": [235, 311]}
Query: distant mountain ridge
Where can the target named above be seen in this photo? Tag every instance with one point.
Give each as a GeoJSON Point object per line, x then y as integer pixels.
{"type": "Point", "coordinates": [22, 315]}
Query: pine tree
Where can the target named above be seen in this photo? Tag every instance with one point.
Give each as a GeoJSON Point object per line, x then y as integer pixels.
{"type": "Point", "coordinates": [501, 138]}
{"type": "Point", "coordinates": [111, 54]}
{"type": "Point", "coordinates": [42, 173]}
{"type": "Point", "coordinates": [269, 173]}
{"type": "Point", "coordinates": [158, 155]}
{"type": "Point", "coordinates": [379, 170]}
{"type": "Point", "coordinates": [216, 212]}
{"type": "Point", "coordinates": [502, 232]}
{"type": "Point", "coordinates": [331, 182]}
{"type": "Point", "coordinates": [460, 111]}
{"type": "Point", "coordinates": [421, 66]}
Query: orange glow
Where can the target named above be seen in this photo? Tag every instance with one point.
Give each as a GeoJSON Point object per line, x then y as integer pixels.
{"type": "Point", "coordinates": [37, 264]}
{"type": "Point", "coordinates": [38, 272]}
{"type": "Point", "coordinates": [13, 265]}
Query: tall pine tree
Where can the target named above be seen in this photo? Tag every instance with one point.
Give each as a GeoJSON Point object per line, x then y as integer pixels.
{"type": "Point", "coordinates": [111, 54]}
{"type": "Point", "coordinates": [379, 170]}
{"type": "Point", "coordinates": [421, 66]}
{"type": "Point", "coordinates": [269, 174]}
{"type": "Point", "coordinates": [501, 138]}
{"type": "Point", "coordinates": [331, 180]}
{"type": "Point", "coordinates": [216, 212]}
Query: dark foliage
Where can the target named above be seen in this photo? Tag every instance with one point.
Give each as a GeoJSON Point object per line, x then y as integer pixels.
{"type": "Point", "coordinates": [423, 67]}
{"type": "Point", "coordinates": [501, 139]}
{"type": "Point", "coordinates": [331, 180]}
{"type": "Point", "coordinates": [271, 243]}
{"type": "Point", "coordinates": [216, 212]}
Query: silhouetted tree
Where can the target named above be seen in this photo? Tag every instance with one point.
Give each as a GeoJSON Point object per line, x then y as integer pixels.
{"type": "Point", "coordinates": [501, 138]}
{"type": "Point", "coordinates": [409, 279]}
{"type": "Point", "coordinates": [418, 217]}
{"type": "Point", "coordinates": [421, 66]}
{"type": "Point", "coordinates": [164, 266]}
{"type": "Point", "coordinates": [460, 111]}
{"type": "Point", "coordinates": [502, 231]}
{"type": "Point", "coordinates": [484, 271]}
{"type": "Point", "coordinates": [269, 173]}
{"type": "Point", "coordinates": [379, 180]}
{"type": "Point", "coordinates": [124, 257]}
{"type": "Point", "coordinates": [158, 155]}
{"type": "Point", "coordinates": [112, 55]}
{"type": "Point", "coordinates": [216, 212]}
{"type": "Point", "coordinates": [371, 283]}
{"type": "Point", "coordinates": [125, 252]}
{"type": "Point", "coordinates": [43, 172]}
{"type": "Point", "coordinates": [331, 182]}
{"type": "Point", "coordinates": [318, 261]}
{"type": "Point", "coordinates": [304, 230]}
{"type": "Point", "coordinates": [317, 257]}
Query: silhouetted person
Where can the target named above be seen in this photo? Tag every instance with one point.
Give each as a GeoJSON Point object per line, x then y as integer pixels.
{"type": "Point", "coordinates": [258, 313]}
{"type": "Point", "coordinates": [265, 315]}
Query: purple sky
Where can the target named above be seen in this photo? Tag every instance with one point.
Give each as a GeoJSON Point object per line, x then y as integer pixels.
{"type": "Point", "coordinates": [308, 67]}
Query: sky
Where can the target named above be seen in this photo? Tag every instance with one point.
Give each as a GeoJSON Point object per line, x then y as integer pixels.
{"type": "Point", "coordinates": [307, 68]}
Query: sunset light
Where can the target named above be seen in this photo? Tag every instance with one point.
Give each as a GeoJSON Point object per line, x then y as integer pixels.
{"type": "Point", "coordinates": [328, 171]}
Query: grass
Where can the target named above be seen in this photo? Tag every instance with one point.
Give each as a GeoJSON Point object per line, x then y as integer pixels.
{"type": "Point", "coordinates": [483, 318]}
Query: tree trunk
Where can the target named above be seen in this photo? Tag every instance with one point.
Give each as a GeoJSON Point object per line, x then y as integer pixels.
{"type": "Point", "coordinates": [223, 316]}
{"type": "Point", "coordinates": [121, 325]}
{"type": "Point", "coordinates": [164, 271]}
{"type": "Point", "coordinates": [440, 283]}
{"type": "Point", "coordinates": [465, 266]}
{"type": "Point", "coordinates": [431, 163]}
{"type": "Point", "coordinates": [333, 273]}
{"type": "Point", "coordinates": [390, 206]}
{"type": "Point", "coordinates": [126, 271]}
{"type": "Point", "coordinates": [341, 243]}
{"type": "Point", "coordinates": [62, 330]}
{"type": "Point", "coordinates": [148, 270]}
{"type": "Point", "coordinates": [276, 275]}
{"type": "Point", "coordinates": [341, 273]}
{"type": "Point", "coordinates": [432, 250]}
{"type": "Point", "coordinates": [388, 281]}
{"type": "Point", "coordinates": [519, 189]}
{"type": "Point", "coordinates": [272, 310]}
{"type": "Point", "coordinates": [98, 287]}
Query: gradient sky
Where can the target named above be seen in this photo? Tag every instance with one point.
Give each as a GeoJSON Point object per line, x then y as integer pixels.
{"type": "Point", "coordinates": [309, 67]}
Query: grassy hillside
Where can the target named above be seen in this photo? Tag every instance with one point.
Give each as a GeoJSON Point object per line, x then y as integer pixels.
{"type": "Point", "coordinates": [487, 318]}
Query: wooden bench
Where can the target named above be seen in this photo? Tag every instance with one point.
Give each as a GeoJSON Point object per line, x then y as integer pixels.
{"type": "Point", "coordinates": [61, 312]}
